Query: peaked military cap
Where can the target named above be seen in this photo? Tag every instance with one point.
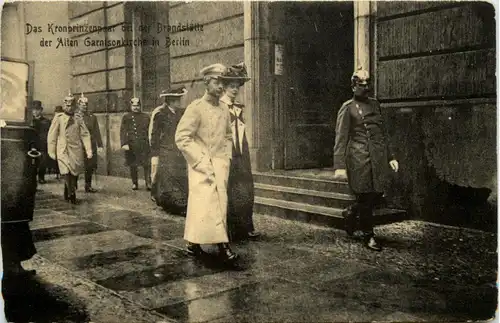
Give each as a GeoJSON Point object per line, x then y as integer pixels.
{"type": "Point", "coordinates": [214, 70]}
{"type": "Point", "coordinates": [83, 100]}
{"type": "Point", "coordinates": [236, 72]}
{"type": "Point", "coordinates": [175, 92]}
{"type": "Point", "coordinates": [36, 105]}
{"type": "Point", "coordinates": [135, 101]}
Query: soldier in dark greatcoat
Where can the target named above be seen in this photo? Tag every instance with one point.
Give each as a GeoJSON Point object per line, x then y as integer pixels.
{"type": "Point", "coordinates": [168, 166]}
{"type": "Point", "coordinates": [240, 187]}
{"type": "Point", "coordinates": [362, 148]}
{"type": "Point", "coordinates": [41, 125]}
{"type": "Point", "coordinates": [134, 140]}
{"type": "Point", "coordinates": [95, 139]}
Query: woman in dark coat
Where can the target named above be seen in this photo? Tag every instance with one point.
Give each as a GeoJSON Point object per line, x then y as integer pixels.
{"type": "Point", "coordinates": [134, 140]}
{"type": "Point", "coordinates": [361, 147]}
{"type": "Point", "coordinates": [240, 182]}
{"type": "Point", "coordinates": [168, 166]}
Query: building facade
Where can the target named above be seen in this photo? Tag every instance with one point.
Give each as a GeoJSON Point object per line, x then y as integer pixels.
{"type": "Point", "coordinates": [432, 65]}
{"type": "Point", "coordinates": [20, 41]}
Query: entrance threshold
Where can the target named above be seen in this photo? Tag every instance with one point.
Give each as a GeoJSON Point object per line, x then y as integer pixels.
{"type": "Point", "coordinates": [312, 173]}
{"type": "Point", "coordinates": [310, 195]}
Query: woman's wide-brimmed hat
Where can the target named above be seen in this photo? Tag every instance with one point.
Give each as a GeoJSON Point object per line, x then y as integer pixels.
{"type": "Point", "coordinates": [236, 72]}
{"type": "Point", "coordinates": [174, 92]}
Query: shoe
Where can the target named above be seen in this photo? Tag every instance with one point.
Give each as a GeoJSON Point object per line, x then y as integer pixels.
{"type": "Point", "coordinates": [195, 250]}
{"type": "Point", "coordinates": [90, 190]}
{"type": "Point", "coordinates": [135, 187]}
{"type": "Point", "coordinates": [226, 253]}
{"type": "Point", "coordinates": [372, 244]}
{"type": "Point", "coordinates": [41, 181]}
{"type": "Point", "coordinates": [253, 234]}
{"type": "Point", "coordinates": [349, 219]}
{"type": "Point", "coordinates": [73, 200]}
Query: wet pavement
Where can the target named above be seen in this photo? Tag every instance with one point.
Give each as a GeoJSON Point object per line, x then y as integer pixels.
{"type": "Point", "coordinates": [117, 257]}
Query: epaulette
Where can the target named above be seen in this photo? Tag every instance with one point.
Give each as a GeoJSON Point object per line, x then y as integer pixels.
{"type": "Point", "coordinates": [347, 102]}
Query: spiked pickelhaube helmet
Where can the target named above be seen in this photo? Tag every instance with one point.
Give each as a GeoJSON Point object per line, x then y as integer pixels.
{"type": "Point", "coordinates": [69, 99]}
{"type": "Point", "coordinates": [360, 76]}
{"type": "Point", "coordinates": [83, 100]}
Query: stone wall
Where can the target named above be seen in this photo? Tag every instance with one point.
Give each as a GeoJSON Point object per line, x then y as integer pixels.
{"type": "Point", "coordinates": [435, 75]}
{"type": "Point", "coordinates": [220, 41]}
{"type": "Point", "coordinates": [103, 73]}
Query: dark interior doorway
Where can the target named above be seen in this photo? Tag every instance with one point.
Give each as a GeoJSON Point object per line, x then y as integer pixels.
{"type": "Point", "coordinates": [318, 42]}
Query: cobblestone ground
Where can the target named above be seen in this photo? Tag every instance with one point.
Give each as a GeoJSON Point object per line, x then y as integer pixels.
{"type": "Point", "coordinates": [117, 257]}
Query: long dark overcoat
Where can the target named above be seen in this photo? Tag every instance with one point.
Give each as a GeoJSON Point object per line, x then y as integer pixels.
{"type": "Point", "coordinates": [134, 133]}
{"type": "Point", "coordinates": [42, 126]}
{"type": "Point", "coordinates": [240, 186]}
{"type": "Point", "coordinates": [170, 185]}
{"type": "Point", "coordinates": [362, 145]}
{"type": "Point", "coordinates": [95, 139]}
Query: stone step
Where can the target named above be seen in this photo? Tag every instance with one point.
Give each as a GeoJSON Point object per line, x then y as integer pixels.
{"type": "Point", "coordinates": [307, 196]}
{"type": "Point", "coordinates": [315, 184]}
{"type": "Point", "coordinates": [317, 214]}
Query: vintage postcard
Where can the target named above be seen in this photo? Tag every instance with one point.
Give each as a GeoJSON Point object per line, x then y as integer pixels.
{"type": "Point", "coordinates": [248, 161]}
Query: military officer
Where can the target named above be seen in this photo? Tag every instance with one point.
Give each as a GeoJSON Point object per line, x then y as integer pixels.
{"type": "Point", "coordinates": [204, 137]}
{"type": "Point", "coordinates": [135, 143]}
{"type": "Point", "coordinates": [363, 155]}
{"type": "Point", "coordinates": [67, 141]}
{"type": "Point", "coordinates": [92, 124]}
{"type": "Point", "coordinates": [41, 125]}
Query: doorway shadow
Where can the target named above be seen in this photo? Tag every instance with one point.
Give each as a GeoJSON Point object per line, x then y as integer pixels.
{"type": "Point", "coordinates": [33, 300]}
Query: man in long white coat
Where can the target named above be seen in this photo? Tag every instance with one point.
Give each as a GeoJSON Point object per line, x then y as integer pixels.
{"type": "Point", "coordinates": [204, 137]}
{"type": "Point", "coordinates": [67, 140]}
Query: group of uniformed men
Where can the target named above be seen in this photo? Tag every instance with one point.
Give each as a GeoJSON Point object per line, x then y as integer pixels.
{"type": "Point", "coordinates": [196, 161]}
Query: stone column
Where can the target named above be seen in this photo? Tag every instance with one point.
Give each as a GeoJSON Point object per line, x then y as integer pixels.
{"type": "Point", "coordinates": [22, 22]}
{"type": "Point", "coordinates": [257, 96]}
{"type": "Point", "coordinates": [362, 15]}
{"type": "Point", "coordinates": [136, 55]}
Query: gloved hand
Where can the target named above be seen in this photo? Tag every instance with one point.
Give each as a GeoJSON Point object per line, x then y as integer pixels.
{"type": "Point", "coordinates": [125, 147]}
{"type": "Point", "coordinates": [340, 174]}
{"type": "Point", "coordinates": [394, 165]}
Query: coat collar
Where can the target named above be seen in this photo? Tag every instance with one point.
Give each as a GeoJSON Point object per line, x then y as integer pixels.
{"type": "Point", "coordinates": [225, 99]}
{"type": "Point", "coordinates": [210, 99]}
{"type": "Point", "coordinates": [171, 109]}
